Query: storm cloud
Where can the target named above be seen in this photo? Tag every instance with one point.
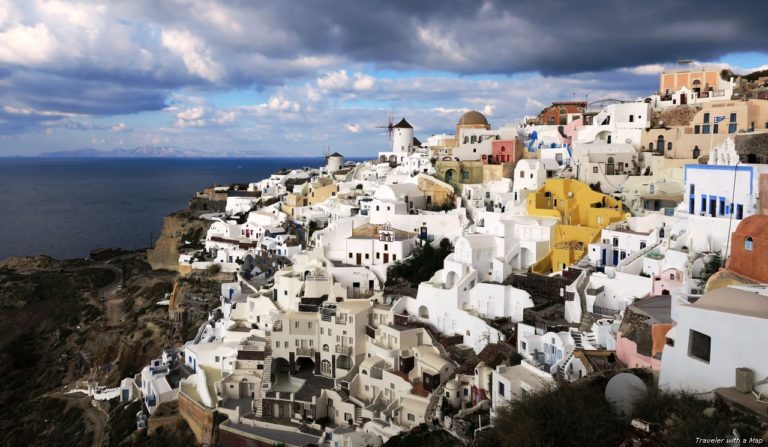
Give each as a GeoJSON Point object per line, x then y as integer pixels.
{"type": "Point", "coordinates": [106, 59]}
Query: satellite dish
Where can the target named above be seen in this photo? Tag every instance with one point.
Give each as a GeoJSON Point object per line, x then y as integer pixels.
{"type": "Point", "coordinates": [623, 391]}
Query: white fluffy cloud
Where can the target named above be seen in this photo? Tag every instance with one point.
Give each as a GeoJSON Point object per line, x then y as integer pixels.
{"type": "Point", "coordinates": [353, 128]}
{"type": "Point", "coordinates": [120, 127]}
{"type": "Point", "coordinates": [196, 56]}
{"type": "Point", "coordinates": [340, 81]}
{"type": "Point", "coordinates": [27, 45]}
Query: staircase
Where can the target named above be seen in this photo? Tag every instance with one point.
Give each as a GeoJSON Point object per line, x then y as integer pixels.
{"type": "Point", "coordinates": [266, 378]}
{"type": "Point", "coordinates": [561, 370]}
{"type": "Point", "coordinates": [358, 415]}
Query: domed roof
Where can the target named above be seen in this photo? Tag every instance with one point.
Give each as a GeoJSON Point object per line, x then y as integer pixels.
{"type": "Point", "coordinates": [452, 385]}
{"type": "Point", "coordinates": [472, 117]}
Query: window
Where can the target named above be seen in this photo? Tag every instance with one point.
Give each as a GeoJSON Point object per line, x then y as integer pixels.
{"type": "Point", "coordinates": [501, 389]}
{"type": "Point", "coordinates": [714, 128]}
{"type": "Point", "coordinates": [522, 174]}
{"type": "Point", "coordinates": [217, 359]}
{"type": "Point", "coordinates": [466, 392]}
{"type": "Point", "coordinates": [699, 345]}
{"type": "Point", "coordinates": [669, 146]}
{"type": "Point", "coordinates": [705, 129]}
{"type": "Point", "coordinates": [642, 245]}
{"type": "Point", "coordinates": [411, 417]}
{"type": "Point", "coordinates": [733, 117]}
{"type": "Point", "coordinates": [670, 342]}
{"type": "Point", "coordinates": [706, 117]}
{"type": "Point", "coordinates": [732, 127]}
{"type": "Point", "coordinates": [697, 129]}
{"type": "Point", "coordinates": [309, 325]}
{"type": "Point", "coordinates": [367, 256]}
{"type": "Point", "coordinates": [693, 188]}
{"type": "Point", "coordinates": [524, 345]}
{"type": "Point", "coordinates": [594, 169]}
{"type": "Point", "coordinates": [296, 324]}
{"type": "Point", "coordinates": [748, 243]}
{"type": "Point", "coordinates": [631, 118]}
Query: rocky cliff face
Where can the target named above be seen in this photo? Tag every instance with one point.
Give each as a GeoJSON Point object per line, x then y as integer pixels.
{"type": "Point", "coordinates": [182, 229]}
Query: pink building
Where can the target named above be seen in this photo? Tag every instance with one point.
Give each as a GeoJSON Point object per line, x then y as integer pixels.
{"type": "Point", "coordinates": [643, 332]}
{"type": "Point", "coordinates": [668, 280]}
{"type": "Point", "coordinates": [504, 151]}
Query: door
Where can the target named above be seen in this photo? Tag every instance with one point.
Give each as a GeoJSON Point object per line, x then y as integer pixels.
{"type": "Point", "coordinates": [683, 99]}
{"type": "Point", "coordinates": [359, 259]}
{"type": "Point", "coordinates": [386, 258]}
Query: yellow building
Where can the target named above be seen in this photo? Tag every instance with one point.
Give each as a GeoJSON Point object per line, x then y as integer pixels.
{"type": "Point", "coordinates": [321, 189]}
{"type": "Point", "coordinates": [582, 213]}
{"type": "Point", "coordinates": [457, 173]}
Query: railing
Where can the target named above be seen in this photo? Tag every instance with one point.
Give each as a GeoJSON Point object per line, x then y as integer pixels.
{"type": "Point", "coordinates": [305, 351]}
{"type": "Point", "coordinates": [604, 311]}
{"type": "Point", "coordinates": [347, 350]}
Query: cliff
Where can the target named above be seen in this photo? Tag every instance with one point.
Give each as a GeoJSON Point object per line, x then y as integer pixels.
{"type": "Point", "coordinates": [181, 229]}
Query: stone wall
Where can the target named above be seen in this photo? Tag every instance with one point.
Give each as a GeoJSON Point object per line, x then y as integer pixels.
{"type": "Point", "coordinates": [200, 419]}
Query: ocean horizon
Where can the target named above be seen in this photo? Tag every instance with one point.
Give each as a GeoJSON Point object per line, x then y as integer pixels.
{"type": "Point", "coordinates": [66, 207]}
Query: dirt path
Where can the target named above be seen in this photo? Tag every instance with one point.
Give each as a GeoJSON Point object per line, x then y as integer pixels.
{"type": "Point", "coordinates": [95, 418]}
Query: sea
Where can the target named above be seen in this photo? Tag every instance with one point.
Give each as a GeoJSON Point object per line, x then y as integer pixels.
{"type": "Point", "coordinates": [67, 207]}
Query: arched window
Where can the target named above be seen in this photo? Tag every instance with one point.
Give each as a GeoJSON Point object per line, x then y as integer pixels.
{"type": "Point", "coordinates": [326, 348]}
{"type": "Point", "coordinates": [325, 368]}
{"type": "Point", "coordinates": [669, 146]}
{"type": "Point", "coordinates": [473, 139]}
{"type": "Point", "coordinates": [650, 147]}
{"type": "Point", "coordinates": [748, 243]}
{"type": "Point", "coordinates": [466, 139]}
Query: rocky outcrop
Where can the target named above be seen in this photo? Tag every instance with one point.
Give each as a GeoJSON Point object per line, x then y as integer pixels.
{"type": "Point", "coordinates": [182, 229]}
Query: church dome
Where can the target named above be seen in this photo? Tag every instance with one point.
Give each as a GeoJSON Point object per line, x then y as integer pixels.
{"type": "Point", "coordinates": [472, 118]}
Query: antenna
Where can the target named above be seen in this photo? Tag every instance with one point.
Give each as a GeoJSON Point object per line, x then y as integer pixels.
{"type": "Point", "coordinates": [389, 126]}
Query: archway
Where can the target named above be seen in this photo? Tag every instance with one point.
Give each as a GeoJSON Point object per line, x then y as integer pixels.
{"type": "Point", "coordinates": [449, 175]}
{"type": "Point", "coordinates": [304, 365]}
{"type": "Point", "coordinates": [450, 280]}
{"type": "Point", "coordinates": [325, 368]}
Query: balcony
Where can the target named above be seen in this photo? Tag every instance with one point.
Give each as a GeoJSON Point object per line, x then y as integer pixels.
{"type": "Point", "coordinates": [346, 350]}
{"type": "Point", "coordinates": [310, 352]}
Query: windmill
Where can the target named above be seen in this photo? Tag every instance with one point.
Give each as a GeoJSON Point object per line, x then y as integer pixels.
{"type": "Point", "coordinates": [389, 126]}
{"type": "Point", "coordinates": [326, 153]}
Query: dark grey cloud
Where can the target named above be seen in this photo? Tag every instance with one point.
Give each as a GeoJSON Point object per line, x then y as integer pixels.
{"type": "Point", "coordinates": [111, 58]}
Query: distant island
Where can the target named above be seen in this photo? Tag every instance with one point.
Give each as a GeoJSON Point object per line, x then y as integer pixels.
{"type": "Point", "coordinates": [155, 152]}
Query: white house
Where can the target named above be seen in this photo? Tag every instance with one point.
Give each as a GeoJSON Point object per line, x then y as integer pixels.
{"type": "Point", "coordinates": [515, 382]}
{"type": "Point", "coordinates": [723, 330]}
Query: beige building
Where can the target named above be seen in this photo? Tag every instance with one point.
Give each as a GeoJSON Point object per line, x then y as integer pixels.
{"type": "Point", "coordinates": [697, 137]}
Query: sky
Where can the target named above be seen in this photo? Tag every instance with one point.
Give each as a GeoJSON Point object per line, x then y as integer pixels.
{"type": "Point", "coordinates": [293, 77]}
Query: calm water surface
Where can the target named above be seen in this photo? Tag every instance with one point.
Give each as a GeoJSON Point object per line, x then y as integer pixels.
{"type": "Point", "coordinates": [67, 207]}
